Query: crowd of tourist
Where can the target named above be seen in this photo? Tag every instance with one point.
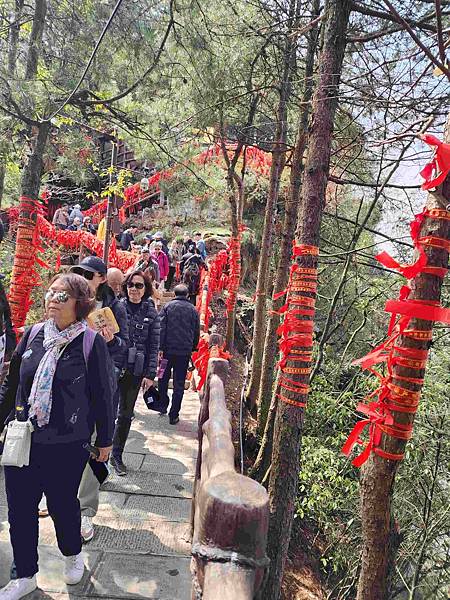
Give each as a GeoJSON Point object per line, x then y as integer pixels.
{"type": "Point", "coordinates": [70, 392]}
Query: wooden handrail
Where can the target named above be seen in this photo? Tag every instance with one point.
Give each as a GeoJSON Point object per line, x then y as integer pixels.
{"type": "Point", "coordinates": [230, 512]}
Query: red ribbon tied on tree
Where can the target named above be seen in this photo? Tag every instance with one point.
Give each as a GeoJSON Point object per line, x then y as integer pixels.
{"type": "Point", "coordinates": [437, 169]}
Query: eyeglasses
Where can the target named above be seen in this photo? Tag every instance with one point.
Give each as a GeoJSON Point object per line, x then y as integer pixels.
{"type": "Point", "coordinates": [138, 285]}
{"type": "Point", "coordinates": [89, 275]}
{"type": "Point", "coordinates": [59, 297]}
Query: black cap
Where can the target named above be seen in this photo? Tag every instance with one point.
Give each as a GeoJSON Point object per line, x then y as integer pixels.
{"type": "Point", "coordinates": [91, 263]}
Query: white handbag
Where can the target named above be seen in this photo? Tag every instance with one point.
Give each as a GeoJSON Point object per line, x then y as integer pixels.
{"type": "Point", "coordinates": [16, 450]}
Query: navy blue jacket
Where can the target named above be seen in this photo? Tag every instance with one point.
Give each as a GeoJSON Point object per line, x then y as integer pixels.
{"type": "Point", "coordinates": [125, 240]}
{"type": "Point", "coordinates": [117, 347]}
{"type": "Point", "coordinates": [152, 342]}
{"type": "Point", "coordinates": [180, 327]}
{"type": "Point", "coordinates": [81, 398]}
{"type": "Point", "coordinates": [5, 322]}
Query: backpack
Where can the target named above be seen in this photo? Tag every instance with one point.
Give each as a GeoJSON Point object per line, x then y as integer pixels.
{"type": "Point", "coordinates": [191, 276]}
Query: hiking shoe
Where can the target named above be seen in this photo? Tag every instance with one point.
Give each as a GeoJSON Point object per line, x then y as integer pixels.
{"type": "Point", "coordinates": [18, 588]}
{"type": "Point", "coordinates": [118, 466]}
{"type": "Point", "coordinates": [174, 421]}
{"type": "Point", "coordinates": [87, 529]}
{"type": "Point", "coordinates": [73, 569]}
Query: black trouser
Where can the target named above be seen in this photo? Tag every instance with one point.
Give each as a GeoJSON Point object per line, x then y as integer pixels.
{"type": "Point", "coordinates": [193, 299]}
{"type": "Point", "coordinates": [129, 386]}
{"type": "Point", "coordinates": [170, 277]}
{"type": "Point", "coordinates": [55, 470]}
{"type": "Point", "coordinates": [179, 365]}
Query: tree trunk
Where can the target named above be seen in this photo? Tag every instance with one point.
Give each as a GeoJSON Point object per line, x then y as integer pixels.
{"type": "Point", "coordinates": [235, 203]}
{"type": "Point", "coordinates": [13, 41]}
{"type": "Point", "coordinates": [289, 225]}
{"type": "Point", "coordinates": [30, 181]}
{"type": "Point", "coordinates": [262, 462]}
{"type": "Point", "coordinates": [34, 47]}
{"type": "Point", "coordinates": [283, 484]}
{"type": "Point", "coordinates": [276, 170]}
{"type": "Point", "coordinates": [378, 474]}
{"type": "Point", "coordinates": [22, 278]}
{"type": "Point", "coordinates": [2, 179]}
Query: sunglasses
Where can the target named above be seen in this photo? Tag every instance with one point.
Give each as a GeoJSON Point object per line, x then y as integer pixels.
{"type": "Point", "coordinates": [59, 297]}
{"type": "Point", "coordinates": [138, 285]}
{"type": "Point", "coordinates": [89, 275]}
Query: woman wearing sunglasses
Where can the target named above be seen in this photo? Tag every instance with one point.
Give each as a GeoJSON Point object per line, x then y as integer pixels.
{"type": "Point", "coordinates": [64, 390]}
{"type": "Point", "coordinates": [94, 271]}
{"type": "Point", "coordinates": [142, 359]}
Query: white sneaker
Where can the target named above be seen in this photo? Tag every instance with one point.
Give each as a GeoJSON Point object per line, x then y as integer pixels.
{"type": "Point", "coordinates": [73, 569]}
{"type": "Point", "coordinates": [87, 529]}
{"type": "Point", "coordinates": [18, 588]}
{"type": "Point", "coordinates": [43, 510]}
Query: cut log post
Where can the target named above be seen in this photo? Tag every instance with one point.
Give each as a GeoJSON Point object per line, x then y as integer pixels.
{"type": "Point", "coordinates": [230, 515]}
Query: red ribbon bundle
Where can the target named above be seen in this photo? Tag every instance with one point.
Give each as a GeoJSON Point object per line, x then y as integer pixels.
{"type": "Point", "coordinates": [234, 277]}
{"type": "Point", "coordinates": [296, 332]}
{"type": "Point", "coordinates": [25, 276]}
{"type": "Point", "coordinates": [201, 357]}
{"type": "Point", "coordinates": [212, 281]}
{"type": "Point", "coordinates": [392, 396]}
{"type": "Point", "coordinates": [438, 168]}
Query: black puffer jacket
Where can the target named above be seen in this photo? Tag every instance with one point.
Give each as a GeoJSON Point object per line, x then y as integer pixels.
{"type": "Point", "coordinates": [136, 313]}
{"type": "Point", "coordinates": [180, 327]}
{"type": "Point", "coordinates": [118, 347]}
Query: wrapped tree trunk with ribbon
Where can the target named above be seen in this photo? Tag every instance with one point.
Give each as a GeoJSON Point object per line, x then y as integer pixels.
{"type": "Point", "coordinates": [287, 237]}
{"type": "Point", "coordinates": [392, 407]}
{"type": "Point", "coordinates": [24, 275]}
{"type": "Point", "coordinates": [276, 171]}
{"type": "Point", "coordinates": [296, 331]}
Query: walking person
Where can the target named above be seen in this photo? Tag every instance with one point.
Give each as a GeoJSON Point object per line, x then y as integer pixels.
{"type": "Point", "coordinates": [127, 237]}
{"type": "Point", "coordinates": [175, 256]}
{"type": "Point", "coordinates": [115, 279]}
{"type": "Point", "coordinates": [94, 270]}
{"type": "Point", "coordinates": [88, 226]}
{"type": "Point", "coordinates": [191, 265]}
{"type": "Point", "coordinates": [180, 334]}
{"type": "Point", "coordinates": [142, 359]}
{"type": "Point", "coordinates": [160, 257]}
{"type": "Point", "coordinates": [61, 217]}
{"type": "Point", "coordinates": [76, 225]}
{"type": "Point", "coordinates": [58, 380]}
{"type": "Point", "coordinates": [76, 213]}
{"type": "Point", "coordinates": [200, 243]}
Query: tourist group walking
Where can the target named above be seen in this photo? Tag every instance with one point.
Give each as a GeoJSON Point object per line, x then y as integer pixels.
{"type": "Point", "coordinates": [68, 399]}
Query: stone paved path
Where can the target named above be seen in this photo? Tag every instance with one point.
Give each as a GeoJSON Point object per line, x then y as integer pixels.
{"type": "Point", "coordinates": [141, 548]}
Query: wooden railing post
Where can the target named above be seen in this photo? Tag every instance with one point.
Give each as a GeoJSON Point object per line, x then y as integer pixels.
{"type": "Point", "coordinates": [230, 511]}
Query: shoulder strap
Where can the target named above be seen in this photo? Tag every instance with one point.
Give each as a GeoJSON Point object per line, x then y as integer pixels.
{"type": "Point", "coordinates": [88, 339]}
{"type": "Point", "coordinates": [35, 329]}
{"type": "Point", "coordinates": [88, 342]}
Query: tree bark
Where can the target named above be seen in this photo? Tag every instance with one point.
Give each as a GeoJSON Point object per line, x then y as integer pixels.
{"type": "Point", "coordinates": [2, 179]}
{"type": "Point", "coordinates": [378, 474]}
{"type": "Point", "coordinates": [30, 180]}
{"type": "Point", "coordinates": [289, 224]}
{"type": "Point", "coordinates": [13, 41]}
{"type": "Point", "coordinates": [283, 484]}
{"type": "Point", "coordinates": [276, 171]}
{"type": "Point", "coordinates": [35, 42]}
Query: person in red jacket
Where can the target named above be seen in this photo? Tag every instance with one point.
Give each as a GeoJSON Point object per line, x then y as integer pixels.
{"type": "Point", "coordinates": [163, 262]}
